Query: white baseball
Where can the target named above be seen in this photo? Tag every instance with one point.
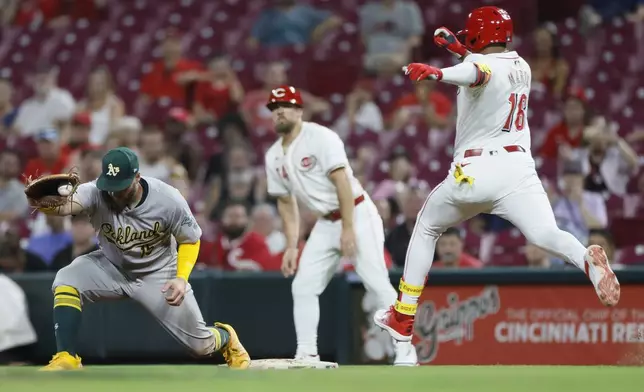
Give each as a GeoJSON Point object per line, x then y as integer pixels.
{"type": "Point", "coordinates": [65, 190]}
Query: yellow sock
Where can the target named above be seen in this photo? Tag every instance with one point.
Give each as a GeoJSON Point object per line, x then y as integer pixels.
{"type": "Point", "coordinates": [67, 318]}
{"type": "Point", "coordinates": [408, 303]}
{"type": "Point", "coordinates": [221, 337]}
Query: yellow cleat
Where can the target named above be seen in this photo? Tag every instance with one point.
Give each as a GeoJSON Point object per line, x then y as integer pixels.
{"type": "Point", "coordinates": [234, 353]}
{"type": "Point", "coordinates": [63, 361]}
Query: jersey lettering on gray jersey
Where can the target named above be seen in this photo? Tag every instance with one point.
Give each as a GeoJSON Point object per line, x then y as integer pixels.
{"type": "Point", "coordinates": [142, 239]}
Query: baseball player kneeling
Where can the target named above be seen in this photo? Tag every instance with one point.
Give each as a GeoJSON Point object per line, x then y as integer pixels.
{"type": "Point", "coordinates": [140, 222]}
{"type": "Point", "coordinates": [309, 163]}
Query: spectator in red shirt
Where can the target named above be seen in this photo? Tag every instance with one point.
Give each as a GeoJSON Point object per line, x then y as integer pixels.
{"type": "Point", "coordinates": [570, 132]}
{"type": "Point", "coordinates": [33, 13]}
{"type": "Point", "coordinates": [266, 221]}
{"type": "Point", "coordinates": [50, 158]}
{"type": "Point", "coordinates": [172, 75]}
{"type": "Point", "coordinates": [239, 249]}
{"type": "Point", "coordinates": [432, 106]}
{"type": "Point", "coordinates": [449, 250]}
{"type": "Point", "coordinates": [219, 93]}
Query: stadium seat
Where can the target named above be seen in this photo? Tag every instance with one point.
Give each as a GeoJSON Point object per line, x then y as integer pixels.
{"type": "Point", "coordinates": [615, 207]}
{"type": "Point", "coordinates": [209, 140]}
{"type": "Point", "coordinates": [472, 243]}
{"type": "Point", "coordinates": [507, 257]}
{"type": "Point", "coordinates": [632, 254]}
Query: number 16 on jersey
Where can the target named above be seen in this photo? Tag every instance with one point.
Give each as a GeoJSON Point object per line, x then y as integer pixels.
{"type": "Point", "coordinates": [518, 113]}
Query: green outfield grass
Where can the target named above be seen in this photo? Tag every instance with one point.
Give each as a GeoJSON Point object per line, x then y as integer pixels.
{"type": "Point", "coordinates": [349, 378]}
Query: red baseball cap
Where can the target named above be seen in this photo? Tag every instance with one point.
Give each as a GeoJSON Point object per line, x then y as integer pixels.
{"type": "Point", "coordinates": [577, 93]}
{"type": "Point", "coordinates": [288, 95]}
{"type": "Point", "coordinates": [82, 118]}
{"type": "Point", "coordinates": [179, 114]}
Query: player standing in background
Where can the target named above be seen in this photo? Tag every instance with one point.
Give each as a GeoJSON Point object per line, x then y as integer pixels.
{"type": "Point", "coordinates": [493, 170]}
{"type": "Point", "coordinates": [140, 221]}
{"type": "Point", "coordinates": [308, 162]}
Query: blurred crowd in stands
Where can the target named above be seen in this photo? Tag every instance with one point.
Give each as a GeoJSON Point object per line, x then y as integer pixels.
{"type": "Point", "coordinates": [184, 83]}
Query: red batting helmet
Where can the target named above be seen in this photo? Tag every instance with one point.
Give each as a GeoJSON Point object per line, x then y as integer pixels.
{"type": "Point", "coordinates": [485, 26]}
{"type": "Point", "coordinates": [284, 95]}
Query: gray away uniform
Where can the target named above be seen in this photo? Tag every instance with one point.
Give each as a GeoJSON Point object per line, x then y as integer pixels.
{"type": "Point", "coordinates": [138, 256]}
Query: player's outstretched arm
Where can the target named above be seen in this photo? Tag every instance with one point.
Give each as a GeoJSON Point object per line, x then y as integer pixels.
{"type": "Point", "coordinates": [73, 207]}
{"type": "Point", "coordinates": [59, 194]}
{"type": "Point", "coordinates": [467, 74]}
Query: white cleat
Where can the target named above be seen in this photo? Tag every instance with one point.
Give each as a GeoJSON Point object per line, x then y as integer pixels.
{"type": "Point", "coordinates": [405, 354]}
{"type": "Point", "coordinates": [602, 276]}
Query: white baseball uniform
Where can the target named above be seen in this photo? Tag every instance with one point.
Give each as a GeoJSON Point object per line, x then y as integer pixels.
{"type": "Point", "coordinates": [302, 170]}
{"type": "Point", "coordinates": [492, 160]}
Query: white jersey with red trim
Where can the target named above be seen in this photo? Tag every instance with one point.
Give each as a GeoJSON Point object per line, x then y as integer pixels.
{"type": "Point", "coordinates": [494, 114]}
{"type": "Point", "coordinates": [303, 168]}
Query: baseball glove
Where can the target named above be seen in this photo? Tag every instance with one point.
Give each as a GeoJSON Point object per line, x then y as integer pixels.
{"type": "Point", "coordinates": [42, 192]}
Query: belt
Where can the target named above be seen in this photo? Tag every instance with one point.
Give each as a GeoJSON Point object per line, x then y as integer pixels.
{"type": "Point", "coordinates": [334, 216]}
{"type": "Point", "coordinates": [477, 152]}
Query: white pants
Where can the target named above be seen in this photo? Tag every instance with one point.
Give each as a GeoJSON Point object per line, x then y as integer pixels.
{"type": "Point", "coordinates": [505, 184]}
{"type": "Point", "coordinates": [320, 260]}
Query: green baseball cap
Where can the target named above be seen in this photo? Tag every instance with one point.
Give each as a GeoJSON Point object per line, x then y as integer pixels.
{"type": "Point", "coordinates": [120, 166]}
